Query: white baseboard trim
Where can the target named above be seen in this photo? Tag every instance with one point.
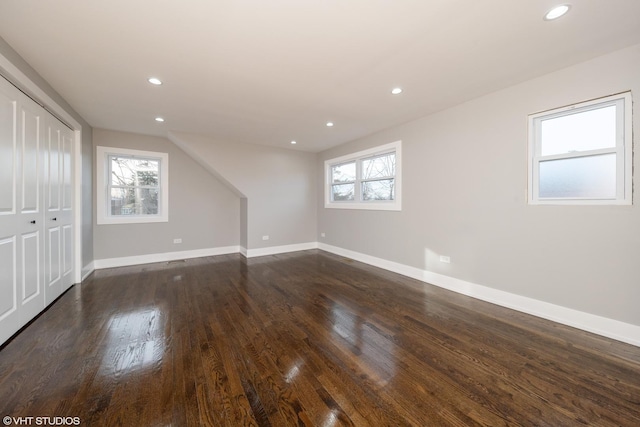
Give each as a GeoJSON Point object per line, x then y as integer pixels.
{"type": "Point", "coordinates": [274, 250]}
{"type": "Point", "coordinates": [606, 327]}
{"type": "Point", "coordinates": [609, 328]}
{"type": "Point", "coordinates": [163, 257]}
{"type": "Point", "coordinates": [87, 270]}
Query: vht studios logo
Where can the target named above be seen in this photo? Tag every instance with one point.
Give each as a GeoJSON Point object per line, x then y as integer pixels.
{"type": "Point", "coordinates": [41, 421]}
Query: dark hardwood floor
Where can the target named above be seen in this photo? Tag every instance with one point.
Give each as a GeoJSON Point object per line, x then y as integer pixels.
{"type": "Point", "coordinates": [308, 339]}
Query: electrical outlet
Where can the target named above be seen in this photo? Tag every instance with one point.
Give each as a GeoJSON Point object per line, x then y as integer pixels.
{"type": "Point", "coordinates": [265, 237]}
{"type": "Point", "coordinates": [445, 259]}
{"type": "Point", "coordinates": [323, 235]}
{"type": "Point", "coordinates": [176, 241]}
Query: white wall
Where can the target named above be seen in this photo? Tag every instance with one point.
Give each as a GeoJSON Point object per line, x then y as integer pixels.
{"type": "Point", "coordinates": [203, 212]}
{"type": "Point", "coordinates": [464, 195]}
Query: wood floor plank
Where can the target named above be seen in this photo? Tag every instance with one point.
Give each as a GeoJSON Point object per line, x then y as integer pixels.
{"type": "Point", "coordinates": [305, 339]}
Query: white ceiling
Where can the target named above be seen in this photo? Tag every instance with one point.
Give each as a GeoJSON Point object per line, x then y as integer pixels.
{"type": "Point", "coordinates": [269, 72]}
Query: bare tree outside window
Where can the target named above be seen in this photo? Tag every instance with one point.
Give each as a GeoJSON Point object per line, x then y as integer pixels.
{"type": "Point", "coordinates": [343, 178]}
{"type": "Point", "coordinates": [134, 186]}
{"type": "Point", "coordinates": [378, 177]}
{"type": "Point", "coordinates": [374, 177]}
{"type": "Point", "coordinates": [370, 179]}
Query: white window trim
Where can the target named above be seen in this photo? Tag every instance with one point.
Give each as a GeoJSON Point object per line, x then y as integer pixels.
{"type": "Point", "coordinates": [381, 205]}
{"type": "Point", "coordinates": [623, 151]}
{"type": "Point", "coordinates": [102, 207]}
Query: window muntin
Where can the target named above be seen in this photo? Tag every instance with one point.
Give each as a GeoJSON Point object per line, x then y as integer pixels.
{"type": "Point", "coordinates": [133, 186]}
{"type": "Point", "coordinates": [365, 180]}
{"type": "Point", "coordinates": [581, 154]}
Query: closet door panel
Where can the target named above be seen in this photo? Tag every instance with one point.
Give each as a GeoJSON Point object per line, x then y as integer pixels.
{"type": "Point", "coordinates": [31, 216]}
{"type": "Point", "coordinates": [29, 159]}
{"type": "Point", "coordinates": [31, 284]}
{"type": "Point", "coordinates": [67, 255]}
{"type": "Point", "coordinates": [52, 181]}
{"type": "Point", "coordinates": [11, 223]}
{"type": "Point", "coordinates": [8, 125]}
{"type": "Point", "coordinates": [9, 315]}
{"type": "Point", "coordinates": [54, 264]}
{"type": "Point", "coordinates": [67, 168]}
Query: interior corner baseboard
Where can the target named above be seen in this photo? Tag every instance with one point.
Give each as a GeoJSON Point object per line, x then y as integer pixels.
{"type": "Point", "coordinates": [88, 269]}
{"type": "Point", "coordinates": [274, 250]}
{"type": "Point", "coordinates": [163, 257]}
{"type": "Point", "coordinates": [599, 325]}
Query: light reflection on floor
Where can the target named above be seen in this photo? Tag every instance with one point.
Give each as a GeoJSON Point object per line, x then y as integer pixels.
{"type": "Point", "coordinates": [135, 341]}
{"type": "Point", "coordinates": [375, 354]}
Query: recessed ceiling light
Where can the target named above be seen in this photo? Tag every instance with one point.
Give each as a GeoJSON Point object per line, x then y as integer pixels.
{"type": "Point", "coordinates": [154, 81]}
{"type": "Point", "coordinates": [293, 142]}
{"type": "Point", "coordinates": [557, 12]}
{"type": "Point", "coordinates": [329, 124]}
{"type": "Point", "coordinates": [159, 119]}
{"type": "Point", "coordinates": [396, 91]}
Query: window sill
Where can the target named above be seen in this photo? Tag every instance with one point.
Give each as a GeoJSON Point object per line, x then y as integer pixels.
{"type": "Point", "coordinates": [365, 206]}
{"type": "Point", "coordinates": [131, 220]}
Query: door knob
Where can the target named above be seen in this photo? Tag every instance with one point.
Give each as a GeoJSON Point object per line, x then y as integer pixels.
{"type": "Point", "coordinates": [54, 219]}
{"type": "Point", "coordinates": [32, 221]}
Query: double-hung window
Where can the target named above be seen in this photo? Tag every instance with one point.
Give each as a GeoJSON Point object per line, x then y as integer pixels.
{"type": "Point", "coordinates": [368, 179]}
{"type": "Point", "coordinates": [132, 186]}
{"type": "Point", "coordinates": [582, 154]}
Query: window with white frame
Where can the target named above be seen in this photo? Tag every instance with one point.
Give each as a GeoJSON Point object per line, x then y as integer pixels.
{"type": "Point", "coordinates": [132, 186]}
{"type": "Point", "coordinates": [368, 179]}
{"type": "Point", "coordinates": [582, 154]}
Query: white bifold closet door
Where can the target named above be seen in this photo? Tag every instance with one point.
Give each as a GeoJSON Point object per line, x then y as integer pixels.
{"type": "Point", "coordinates": [58, 218]}
{"type": "Point", "coordinates": [36, 233]}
